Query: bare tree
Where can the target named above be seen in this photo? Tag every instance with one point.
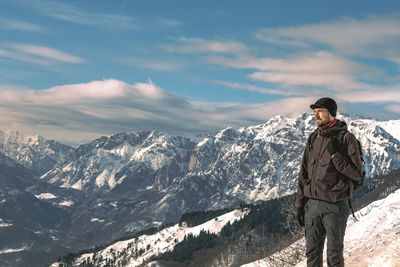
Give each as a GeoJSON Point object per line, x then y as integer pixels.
{"type": "Point", "coordinates": [292, 248]}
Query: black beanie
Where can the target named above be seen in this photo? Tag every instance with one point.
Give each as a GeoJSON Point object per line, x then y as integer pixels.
{"type": "Point", "coordinates": [327, 103]}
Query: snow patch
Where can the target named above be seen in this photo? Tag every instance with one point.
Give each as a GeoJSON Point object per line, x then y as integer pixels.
{"type": "Point", "coordinates": [45, 196]}
{"type": "Point", "coordinates": [67, 203]}
{"type": "Point", "coordinates": [4, 224]}
{"type": "Point", "coordinates": [12, 250]}
{"type": "Point", "coordinates": [162, 241]}
{"type": "Point", "coordinates": [77, 185]}
{"type": "Point", "coordinates": [101, 178]}
{"type": "Point", "coordinates": [202, 142]}
{"type": "Point", "coordinates": [97, 220]}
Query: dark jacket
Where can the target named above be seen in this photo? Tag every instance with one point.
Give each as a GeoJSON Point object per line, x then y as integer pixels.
{"type": "Point", "coordinates": [323, 177]}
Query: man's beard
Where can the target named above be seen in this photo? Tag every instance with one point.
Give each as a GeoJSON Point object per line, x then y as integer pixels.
{"type": "Point", "coordinates": [322, 123]}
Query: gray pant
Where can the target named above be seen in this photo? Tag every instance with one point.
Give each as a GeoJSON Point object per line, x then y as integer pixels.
{"type": "Point", "coordinates": [324, 219]}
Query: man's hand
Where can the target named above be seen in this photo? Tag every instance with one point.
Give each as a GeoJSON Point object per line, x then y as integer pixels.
{"type": "Point", "coordinates": [300, 216]}
{"type": "Point", "coordinates": [333, 145]}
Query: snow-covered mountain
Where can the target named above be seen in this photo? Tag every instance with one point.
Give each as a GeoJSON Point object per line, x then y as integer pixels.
{"type": "Point", "coordinates": [107, 162]}
{"type": "Point", "coordinates": [118, 185]}
{"type": "Point", "coordinates": [373, 240]}
{"type": "Point", "coordinates": [33, 152]}
{"type": "Point", "coordinates": [26, 221]}
{"type": "Point", "coordinates": [136, 251]}
{"type": "Point", "coordinates": [154, 177]}
{"type": "Point", "coordinates": [253, 163]}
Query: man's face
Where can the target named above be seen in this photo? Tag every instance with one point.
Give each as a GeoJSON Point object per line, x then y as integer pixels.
{"type": "Point", "coordinates": [322, 116]}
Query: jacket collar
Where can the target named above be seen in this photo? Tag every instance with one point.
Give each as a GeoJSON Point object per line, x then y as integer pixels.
{"type": "Point", "coordinates": [339, 125]}
{"type": "Point", "coordinates": [328, 125]}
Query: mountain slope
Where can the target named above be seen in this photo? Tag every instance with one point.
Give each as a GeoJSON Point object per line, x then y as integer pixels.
{"type": "Point", "coordinates": [135, 251]}
{"type": "Point", "coordinates": [107, 162]}
{"type": "Point", "coordinates": [26, 222]}
{"type": "Point", "coordinates": [373, 240]}
{"type": "Point", "coordinates": [33, 152]}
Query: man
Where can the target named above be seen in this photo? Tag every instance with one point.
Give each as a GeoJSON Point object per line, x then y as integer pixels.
{"type": "Point", "coordinates": [325, 184]}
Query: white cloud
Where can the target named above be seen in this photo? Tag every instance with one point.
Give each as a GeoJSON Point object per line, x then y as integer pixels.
{"type": "Point", "coordinates": [373, 36]}
{"type": "Point", "coordinates": [71, 13]}
{"type": "Point", "coordinates": [336, 82]}
{"type": "Point", "coordinates": [47, 52]}
{"type": "Point", "coordinates": [40, 55]}
{"type": "Point", "coordinates": [87, 110]}
{"type": "Point", "coordinates": [253, 88]}
{"type": "Point", "coordinates": [378, 94]}
{"type": "Point", "coordinates": [302, 62]}
{"type": "Point", "coordinates": [80, 112]}
{"type": "Point", "coordinates": [10, 24]}
{"type": "Point", "coordinates": [316, 69]}
{"type": "Point", "coordinates": [23, 57]}
{"type": "Point", "coordinates": [83, 93]}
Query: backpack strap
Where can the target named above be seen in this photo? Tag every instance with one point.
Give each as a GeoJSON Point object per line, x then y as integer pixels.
{"type": "Point", "coordinates": [340, 135]}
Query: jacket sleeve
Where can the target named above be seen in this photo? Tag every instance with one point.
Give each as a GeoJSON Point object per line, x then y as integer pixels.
{"type": "Point", "coordinates": [349, 163]}
{"type": "Point", "coordinates": [303, 176]}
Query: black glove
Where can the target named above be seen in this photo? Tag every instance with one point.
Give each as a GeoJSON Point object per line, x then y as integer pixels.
{"type": "Point", "coordinates": [300, 216]}
{"type": "Point", "coordinates": [333, 145]}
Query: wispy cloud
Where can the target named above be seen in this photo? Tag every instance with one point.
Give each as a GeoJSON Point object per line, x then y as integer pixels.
{"type": "Point", "coordinates": [22, 57]}
{"type": "Point", "coordinates": [146, 63]}
{"type": "Point", "coordinates": [10, 24]}
{"type": "Point", "coordinates": [73, 14]}
{"type": "Point", "coordinates": [40, 55]}
{"type": "Point", "coordinates": [188, 45]}
{"type": "Point", "coordinates": [170, 22]}
{"type": "Point", "coordinates": [311, 62]}
{"type": "Point", "coordinates": [373, 36]}
{"type": "Point", "coordinates": [316, 69]}
{"type": "Point", "coordinates": [47, 52]}
{"type": "Point", "coordinates": [376, 94]}
{"type": "Point", "coordinates": [253, 88]}
{"type": "Point", "coordinates": [323, 58]}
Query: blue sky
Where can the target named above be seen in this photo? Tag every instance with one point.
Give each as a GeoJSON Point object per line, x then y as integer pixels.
{"type": "Point", "coordinates": [75, 70]}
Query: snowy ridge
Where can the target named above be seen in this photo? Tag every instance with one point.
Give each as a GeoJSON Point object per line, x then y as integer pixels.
{"type": "Point", "coordinates": [106, 162]}
{"type": "Point", "coordinates": [161, 242]}
{"type": "Point", "coordinates": [373, 240]}
{"type": "Point", "coordinates": [33, 152]}
{"type": "Point", "coordinates": [264, 157]}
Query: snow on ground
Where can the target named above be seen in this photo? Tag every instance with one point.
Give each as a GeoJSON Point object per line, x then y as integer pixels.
{"type": "Point", "coordinates": [4, 224]}
{"type": "Point", "coordinates": [97, 220]}
{"type": "Point", "coordinates": [162, 241]}
{"type": "Point", "coordinates": [11, 250]}
{"type": "Point", "coordinates": [45, 196]}
{"type": "Point", "coordinates": [392, 128]}
{"type": "Point", "coordinates": [67, 203]}
{"type": "Point", "coordinates": [373, 240]}
{"type": "Point", "coordinates": [14, 250]}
